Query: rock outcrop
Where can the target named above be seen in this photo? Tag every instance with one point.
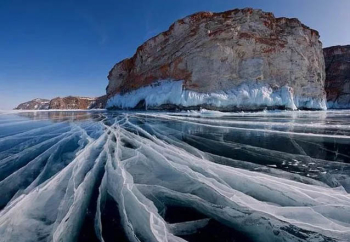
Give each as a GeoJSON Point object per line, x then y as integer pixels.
{"type": "Point", "coordinates": [35, 104]}
{"type": "Point", "coordinates": [219, 57]}
{"type": "Point", "coordinates": [100, 102]}
{"type": "Point", "coordinates": [337, 59]}
{"type": "Point", "coordinates": [70, 102]}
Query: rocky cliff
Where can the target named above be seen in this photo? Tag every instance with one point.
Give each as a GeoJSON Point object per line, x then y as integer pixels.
{"type": "Point", "coordinates": [70, 102]}
{"type": "Point", "coordinates": [35, 104]}
{"type": "Point", "coordinates": [100, 102]}
{"type": "Point", "coordinates": [239, 59]}
{"type": "Point", "coordinates": [337, 85]}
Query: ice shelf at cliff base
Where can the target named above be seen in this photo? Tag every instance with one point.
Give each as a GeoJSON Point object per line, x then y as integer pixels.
{"type": "Point", "coordinates": [247, 96]}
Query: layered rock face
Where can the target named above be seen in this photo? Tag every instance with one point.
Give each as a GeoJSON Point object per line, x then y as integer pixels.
{"type": "Point", "coordinates": [337, 59]}
{"type": "Point", "coordinates": [220, 57]}
{"type": "Point", "coordinates": [35, 104]}
{"type": "Point", "coordinates": [71, 102]}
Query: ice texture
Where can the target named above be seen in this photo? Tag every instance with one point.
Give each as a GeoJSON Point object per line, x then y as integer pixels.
{"type": "Point", "coordinates": [248, 95]}
{"type": "Point", "coordinates": [158, 176]}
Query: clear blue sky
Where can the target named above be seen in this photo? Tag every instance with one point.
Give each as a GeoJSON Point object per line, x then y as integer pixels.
{"type": "Point", "coordinates": [59, 48]}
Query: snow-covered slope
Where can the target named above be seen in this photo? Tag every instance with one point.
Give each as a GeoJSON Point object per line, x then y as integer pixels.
{"type": "Point", "coordinates": [251, 95]}
{"type": "Point", "coordinates": [35, 104]}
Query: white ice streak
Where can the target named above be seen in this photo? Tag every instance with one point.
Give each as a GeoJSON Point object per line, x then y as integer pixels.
{"type": "Point", "coordinates": [218, 124]}
{"type": "Point", "coordinates": [39, 214]}
{"type": "Point", "coordinates": [182, 172]}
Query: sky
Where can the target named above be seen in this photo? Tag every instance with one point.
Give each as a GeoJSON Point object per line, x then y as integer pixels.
{"type": "Point", "coordinates": [60, 48]}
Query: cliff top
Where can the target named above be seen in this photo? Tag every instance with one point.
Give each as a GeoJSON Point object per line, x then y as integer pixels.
{"type": "Point", "coordinates": [197, 17]}
{"type": "Point", "coordinates": [337, 46]}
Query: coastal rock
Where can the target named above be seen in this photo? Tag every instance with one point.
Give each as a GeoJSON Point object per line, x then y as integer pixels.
{"type": "Point", "coordinates": [35, 104]}
{"type": "Point", "coordinates": [337, 59]}
{"type": "Point", "coordinates": [218, 56]}
{"type": "Point", "coordinates": [100, 102]}
{"type": "Point", "coordinates": [71, 102]}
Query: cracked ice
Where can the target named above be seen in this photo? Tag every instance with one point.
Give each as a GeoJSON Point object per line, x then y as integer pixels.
{"type": "Point", "coordinates": [185, 176]}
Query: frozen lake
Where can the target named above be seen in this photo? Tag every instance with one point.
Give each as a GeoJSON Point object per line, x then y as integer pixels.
{"type": "Point", "coordinates": [185, 176]}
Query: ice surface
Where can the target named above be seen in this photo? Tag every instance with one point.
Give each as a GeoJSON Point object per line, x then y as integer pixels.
{"type": "Point", "coordinates": [248, 95]}
{"type": "Point", "coordinates": [158, 176]}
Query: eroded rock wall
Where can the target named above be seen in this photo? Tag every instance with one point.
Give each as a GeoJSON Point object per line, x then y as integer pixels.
{"type": "Point", "coordinates": [100, 102]}
{"type": "Point", "coordinates": [214, 52]}
{"type": "Point", "coordinates": [337, 85]}
{"type": "Point", "coordinates": [71, 103]}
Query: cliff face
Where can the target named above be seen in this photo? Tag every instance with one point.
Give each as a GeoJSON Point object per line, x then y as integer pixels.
{"type": "Point", "coordinates": [71, 103]}
{"type": "Point", "coordinates": [219, 52]}
{"type": "Point", "coordinates": [337, 85]}
{"type": "Point", "coordinates": [35, 104]}
{"type": "Point", "coordinates": [100, 102]}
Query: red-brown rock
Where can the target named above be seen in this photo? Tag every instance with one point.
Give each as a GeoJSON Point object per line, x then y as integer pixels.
{"type": "Point", "coordinates": [213, 52]}
{"type": "Point", "coordinates": [71, 102]}
{"type": "Point", "coordinates": [337, 59]}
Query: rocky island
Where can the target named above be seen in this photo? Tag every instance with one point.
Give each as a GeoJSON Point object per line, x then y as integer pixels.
{"type": "Point", "coordinates": [70, 102]}
{"type": "Point", "coordinates": [337, 86]}
{"type": "Point", "coordinates": [242, 59]}
{"type": "Point", "coordinates": [35, 104]}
